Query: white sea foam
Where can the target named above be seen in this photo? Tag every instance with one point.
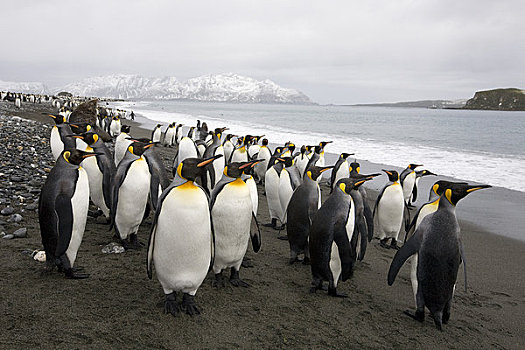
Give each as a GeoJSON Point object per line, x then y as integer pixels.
{"type": "Point", "coordinates": [484, 167]}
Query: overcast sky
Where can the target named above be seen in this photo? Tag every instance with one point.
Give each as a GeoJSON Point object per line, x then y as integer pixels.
{"type": "Point", "coordinates": [333, 51]}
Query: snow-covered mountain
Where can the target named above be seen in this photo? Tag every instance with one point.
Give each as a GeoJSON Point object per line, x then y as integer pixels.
{"type": "Point", "coordinates": [25, 87]}
{"type": "Point", "coordinates": [217, 88]}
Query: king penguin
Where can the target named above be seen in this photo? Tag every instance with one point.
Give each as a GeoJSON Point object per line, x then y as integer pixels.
{"type": "Point", "coordinates": [114, 127]}
{"type": "Point", "coordinates": [122, 143]}
{"type": "Point", "coordinates": [289, 180]}
{"type": "Point", "coordinates": [232, 213]}
{"type": "Point", "coordinates": [271, 189]}
{"type": "Point", "coordinates": [264, 157]}
{"type": "Point", "coordinates": [408, 179]}
{"type": "Point", "coordinates": [62, 211]}
{"type": "Point", "coordinates": [332, 256]}
{"type": "Point", "coordinates": [59, 136]}
{"type": "Point", "coordinates": [389, 211]}
{"type": "Point", "coordinates": [182, 253]}
{"type": "Point", "coordinates": [240, 154]}
{"type": "Point", "coordinates": [131, 187]}
{"type": "Point", "coordinates": [303, 206]}
{"type": "Point", "coordinates": [419, 175]}
{"type": "Point", "coordinates": [156, 133]}
{"type": "Point", "coordinates": [228, 147]}
{"type": "Point", "coordinates": [341, 170]}
{"type": "Point", "coordinates": [438, 244]}
{"type": "Point", "coordinates": [100, 170]}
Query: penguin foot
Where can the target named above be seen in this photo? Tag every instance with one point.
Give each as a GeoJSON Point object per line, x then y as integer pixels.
{"type": "Point", "coordinates": [306, 261]}
{"type": "Point", "coordinates": [170, 304]}
{"type": "Point", "coordinates": [218, 282]}
{"type": "Point", "coordinates": [279, 228]}
{"type": "Point", "coordinates": [75, 275]}
{"type": "Point", "coordinates": [333, 293]}
{"type": "Point", "coordinates": [273, 223]}
{"type": "Point", "coordinates": [188, 305]}
{"type": "Point", "coordinates": [235, 279]}
{"type": "Point", "coordinates": [384, 243]}
{"type": "Point", "coordinates": [394, 245]}
{"type": "Point", "coordinates": [418, 316]}
{"type": "Point", "coordinates": [283, 237]}
{"type": "Point", "coordinates": [247, 262]}
{"type": "Point", "coordinates": [291, 261]}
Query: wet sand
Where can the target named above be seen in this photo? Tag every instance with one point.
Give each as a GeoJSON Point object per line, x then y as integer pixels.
{"type": "Point", "coordinates": [118, 306]}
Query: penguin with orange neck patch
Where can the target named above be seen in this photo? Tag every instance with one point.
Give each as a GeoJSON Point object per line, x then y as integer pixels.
{"type": "Point", "coordinates": [62, 211]}
{"type": "Point", "coordinates": [437, 243]}
{"type": "Point", "coordinates": [183, 252]}
{"type": "Point", "coordinates": [232, 213]}
{"type": "Point", "coordinates": [131, 186]}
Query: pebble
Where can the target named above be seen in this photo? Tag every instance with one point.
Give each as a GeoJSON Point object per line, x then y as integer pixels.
{"type": "Point", "coordinates": [7, 211]}
{"type": "Point", "coordinates": [113, 248]}
{"type": "Point", "coordinates": [9, 236]}
{"type": "Point", "coordinates": [39, 255]}
{"type": "Point", "coordinates": [32, 206]}
{"type": "Point", "coordinates": [15, 218]}
{"type": "Point", "coordinates": [20, 233]}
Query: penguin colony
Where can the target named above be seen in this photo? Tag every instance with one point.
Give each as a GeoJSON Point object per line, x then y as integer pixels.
{"type": "Point", "coordinates": [206, 216]}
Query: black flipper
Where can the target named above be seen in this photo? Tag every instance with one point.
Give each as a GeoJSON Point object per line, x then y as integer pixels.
{"type": "Point", "coordinates": [362, 230]}
{"type": "Point", "coordinates": [64, 212]}
{"type": "Point", "coordinates": [462, 252]}
{"type": "Point", "coordinates": [407, 250]}
{"type": "Point", "coordinates": [414, 193]}
{"type": "Point", "coordinates": [369, 220]}
{"type": "Point", "coordinates": [378, 199]}
{"type": "Point", "coordinates": [256, 236]}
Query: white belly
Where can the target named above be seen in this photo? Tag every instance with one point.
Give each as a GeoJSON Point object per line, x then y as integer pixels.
{"type": "Point", "coordinates": [253, 150]}
{"type": "Point", "coordinates": [96, 192]}
{"type": "Point", "coordinates": [132, 198]}
{"type": "Point", "coordinates": [240, 155]}
{"type": "Point", "coordinates": [426, 210]}
{"type": "Point", "coordinates": [80, 204]}
{"type": "Point", "coordinates": [228, 149]}
{"type": "Point", "coordinates": [390, 212]}
{"type": "Point", "coordinates": [114, 128]}
{"type": "Point", "coordinates": [335, 263]}
{"type": "Point", "coordinates": [121, 146]}
{"type": "Point", "coordinates": [57, 146]}
{"type": "Point", "coordinates": [168, 138]}
{"type": "Point", "coordinates": [271, 187]}
{"type": "Point", "coordinates": [285, 193]}
{"type": "Point", "coordinates": [253, 194]}
{"type": "Point", "coordinates": [342, 173]}
{"type": "Point", "coordinates": [182, 252]}
{"type": "Point", "coordinates": [231, 215]}
{"type": "Point", "coordinates": [156, 135]}
{"type": "Point", "coordinates": [186, 150]}
{"type": "Point", "coordinates": [408, 185]}
{"type": "Point", "coordinates": [218, 165]}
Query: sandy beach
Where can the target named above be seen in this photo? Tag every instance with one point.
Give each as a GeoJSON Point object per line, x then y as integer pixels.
{"type": "Point", "coordinates": [119, 307]}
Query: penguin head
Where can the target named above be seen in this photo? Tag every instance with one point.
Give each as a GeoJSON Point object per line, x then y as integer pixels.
{"type": "Point", "coordinates": [291, 148]}
{"type": "Point", "coordinates": [138, 147]}
{"type": "Point", "coordinates": [425, 172]}
{"type": "Point", "coordinates": [413, 166]}
{"type": "Point", "coordinates": [355, 167]}
{"type": "Point", "coordinates": [460, 190]}
{"type": "Point", "coordinates": [392, 175]}
{"type": "Point", "coordinates": [125, 128]}
{"type": "Point", "coordinates": [90, 137]}
{"type": "Point", "coordinates": [303, 149]}
{"type": "Point", "coordinates": [249, 169]}
{"type": "Point", "coordinates": [324, 143]}
{"type": "Point", "coordinates": [278, 151]}
{"type": "Point", "coordinates": [158, 126]}
{"type": "Point", "coordinates": [265, 142]}
{"type": "Point", "coordinates": [59, 119]}
{"type": "Point", "coordinates": [318, 149]}
{"type": "Point", "coordinates": [315, 171]}
{"type": "Point", "coordinates": [229, 137]}
{"type": "Point", "coordinates": [218, 132]}
{"type": "Point", "coordinates": [440, 186]}
{"type": "Point", "coordinates": [76, 156]}
{"type": "Point", "coordinates": [80, 128]}
{"type": "Point", "coordinates": [236, 169]}
{"type": "Point", "coordinates": [346, 185]}
{"type": "Point", "coordinates": [191, 168]}
{"type": "Point", "coordinates": [346, 155]}
{"type": "Point", "coordinates": [246, 139]}
{"type": "Point", "coordinates": [287, 161]}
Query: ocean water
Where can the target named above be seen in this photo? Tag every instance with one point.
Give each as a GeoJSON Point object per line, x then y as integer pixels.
{"type": "Point", "coordinates": [481, 146]}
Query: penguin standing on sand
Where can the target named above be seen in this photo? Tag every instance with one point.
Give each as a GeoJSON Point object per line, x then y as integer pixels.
{"type": "Point", "coordinates": [271, 188]}
{"type": "Point", "coordinates": [229, 147]}
{"type": "Point", "coordinates": [169, 135]}
{"type": "Point", "coordinates": [341, 170]}
{"type": "Point", "coordinates": [156, 133]}
{"type": "Point", "coordinates": [182, 253]}
{"type": "Point", "coordinates": [289, 180]}
{"type": "Point", "coordinates": [131, 187]}
{"type": "Point", "coordinates": [408, 179]}
{"type": "Point", "coordinates": [232, 213]}
{"type": "Point", "coordinates": [332, 255]}
{"type": "Point", "coordinates": [389, 210]}
{"type": "Point", "coordinates": [122, 143]}
{"type": "Point", "coordinates": [59, 139]}
{"type": "Point", "coordinates": [240, 154]}
{"type": "Point", "coordinates": [355, 169]}
{"type": "Point", "coordinates": [438, 244]}
{"type": "Point", "coordinates": [100, 170]}
{"type": "Point", "coordinates": [62, 211]}
{"type": "Point", "coordinates": [264, 157]}
{"type": "Point", "coordinates": [419, 175]}
{"type": "Point", "coordinates": [114, 127]}
{"type": "Point", "coordinates": [301, 160]}
{"type": "Point", "coordinates": [214, 170]}
{"type": "Point", "coordinates": [303, 206]}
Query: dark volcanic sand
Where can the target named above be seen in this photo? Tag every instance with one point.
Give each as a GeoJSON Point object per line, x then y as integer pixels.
{"type": "Point", "coordinates": [119, 307]}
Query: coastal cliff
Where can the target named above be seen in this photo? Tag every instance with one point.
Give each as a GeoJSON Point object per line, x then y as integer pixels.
{"type": "Point", "coordinates": [498, 99]}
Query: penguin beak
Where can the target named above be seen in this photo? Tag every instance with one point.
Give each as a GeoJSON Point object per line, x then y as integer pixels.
{"type": "Point", "coordinates": [326, 168]}
{"type": "Point", "coordinates": [371, 176]}
{"type": "Point", "coordinates": [89, 155]}
{"type": "Point", "coordinates": [480, 187]}
{"type": "Point", "coordinates": [428, 172]}
{"type": "Point", "coordinates": [255, 162]}
{"type": "Point", "coordinates": [245, 165]}
{"type": "Point", "coordinates": [386, 171]}
{"type": "Point", "coordinates": [359, 183]}
{"type": "Point", "coordinates": [149, 145]}
{"type": "Point", "coordinates": [76, 136]}
{"type": "Point", "coordinates": [208, 161]}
